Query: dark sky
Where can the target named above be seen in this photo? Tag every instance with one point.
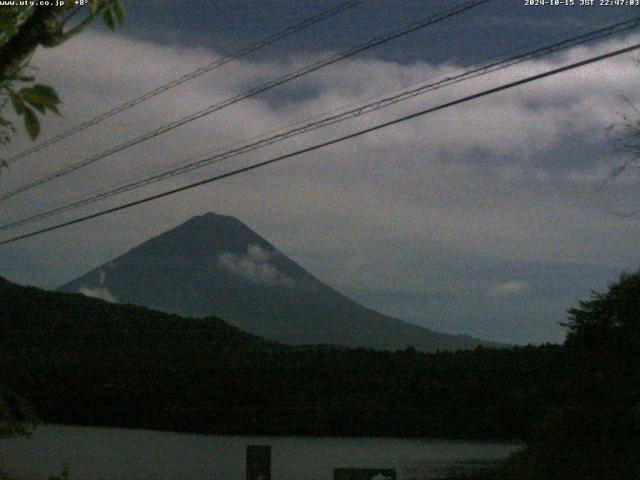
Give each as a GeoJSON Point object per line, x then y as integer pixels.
{"type": "Point", "coordinates": [488, 30]}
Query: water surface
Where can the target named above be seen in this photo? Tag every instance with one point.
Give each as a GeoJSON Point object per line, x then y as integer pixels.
{"type": "Point", "coordinates": [113, 453]}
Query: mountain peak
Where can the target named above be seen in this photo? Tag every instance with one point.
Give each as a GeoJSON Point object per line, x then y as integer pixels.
{"type": "Point", "coordinates": [211, 220]}
{"type": "Point", "coordinates": [203, 236]}
{"type": "Point", "coordinates": [211, 217]}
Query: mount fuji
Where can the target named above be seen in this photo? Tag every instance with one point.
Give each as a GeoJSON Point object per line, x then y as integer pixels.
{"type": "Point", "coordinates": [216, 265]}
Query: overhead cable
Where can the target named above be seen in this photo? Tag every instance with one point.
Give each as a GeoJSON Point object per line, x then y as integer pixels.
{"type": "Point", "coordinates": [248, 94]}
{"type": "Point", "coordinates": [304, 24]}
{"type": "Point", "coordinates": [186, 167]}
{"type": "Point", "coordinates": [334, 141]}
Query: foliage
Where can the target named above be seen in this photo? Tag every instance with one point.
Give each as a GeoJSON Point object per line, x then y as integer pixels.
{"type": "Point", "coordinates": [578, 405]}
{"type": "Point", "coordinates": [22, 30]}
{"type": "Point", "coordinates": [64, 474]}
{"type": "Point", "coordinates": [16, 415]}
{"type": "Point", "coordinates": [608, 322]}
{"type": "Point", "coordinates": [625, 136]}
{"type": "Point", "coordinates": [90, 362]}
{"type": "Point", "coordinates": [39, 97]}
{"type": "Point", "coordinates": [596, 434]}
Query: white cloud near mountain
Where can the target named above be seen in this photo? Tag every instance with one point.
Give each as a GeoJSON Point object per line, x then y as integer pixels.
{"type": "Point", "coordinates": [255, 266]}
{"type": "Point", "coordinates": [98, 292]}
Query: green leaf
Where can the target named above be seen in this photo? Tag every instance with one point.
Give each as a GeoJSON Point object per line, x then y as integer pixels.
{"type": "Point", "coordinates": [54, 109]}
{"type": "Point", "coordinates": [18, 104]}
{"type": "Point", "coordinates": [119, 11]}
{"type": "Point", "coordinates": [40, 96]}
{"type": "Point", "coordinates": [31, 123]}
{"type": "Point", "coordinates": [48, 92]}
{"type": "Point", "coordinates": [109, 18]}
{"type": "Point", "coordinates": [39, 107]}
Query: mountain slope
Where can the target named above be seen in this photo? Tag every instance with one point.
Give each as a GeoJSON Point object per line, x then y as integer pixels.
{"type": "Point", "coordinates": [216, 265]}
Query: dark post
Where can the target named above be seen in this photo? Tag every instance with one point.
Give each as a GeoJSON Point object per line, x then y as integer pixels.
{"type": "Point", "coordinates": [258, 462]}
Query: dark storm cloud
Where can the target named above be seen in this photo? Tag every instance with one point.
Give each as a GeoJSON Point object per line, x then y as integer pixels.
{"type": "Point", "coordinates": [496, 27]}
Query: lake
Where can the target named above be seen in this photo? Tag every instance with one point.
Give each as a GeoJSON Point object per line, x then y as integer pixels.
{"type": "Point", "coordinates": [122, 454]}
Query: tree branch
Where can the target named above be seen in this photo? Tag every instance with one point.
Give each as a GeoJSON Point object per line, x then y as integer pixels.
{"type": "Point", "coordinates": [31, 34]}
{"type": "Point", "coordinates": [62, 37]}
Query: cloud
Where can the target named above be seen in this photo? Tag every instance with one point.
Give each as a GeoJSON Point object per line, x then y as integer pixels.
{"type": "Point", "coordinates": [510, 179]}
{"type": "Point", "coordinates": [508, 289]}
{"type": "Point", "coordinates": [255, 266]}
{"type": "Point", "coordinates": [98, 292]}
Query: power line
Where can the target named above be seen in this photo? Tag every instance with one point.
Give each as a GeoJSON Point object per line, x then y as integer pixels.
{"type": "Point", "coordinates": [250, 93]}
{"type": "Point", "coordinates": [334, 141]}
{"type": "Point", "coordinates": [356, 112]}
{"type": "Point", "coordinates": [265, 42]}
